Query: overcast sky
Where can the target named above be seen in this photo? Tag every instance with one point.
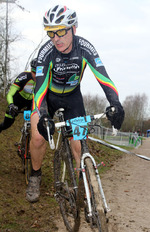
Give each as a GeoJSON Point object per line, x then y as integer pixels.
{"type": "Point", "coordinates": [119, 30]}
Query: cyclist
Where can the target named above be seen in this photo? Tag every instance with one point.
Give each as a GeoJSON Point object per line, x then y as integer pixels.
{"type": "Point", "coordinates": [20, 95]}
{"type": "Point", "coordinates": [60, 65]}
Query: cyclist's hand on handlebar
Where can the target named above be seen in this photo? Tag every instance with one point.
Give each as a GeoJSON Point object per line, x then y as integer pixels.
{"type": "Point", "coordinates": [115, 113]}
{"type": "Point", "coordinates": [42, 128]}
{"type": "Point", "coordinates": [13, 110]}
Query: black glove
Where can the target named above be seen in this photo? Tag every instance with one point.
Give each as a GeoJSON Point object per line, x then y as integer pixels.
{"type": "Point", "coordinates": [13, 110]}
{"type": "Point", "coordinates": [42, 126]}
{"type": "Point", "coordinates": [116, 115]}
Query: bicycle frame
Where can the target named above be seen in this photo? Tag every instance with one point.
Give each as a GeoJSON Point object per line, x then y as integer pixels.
{"type": "Point", "coordinates": [26, 126]}
{"type": "Point", "coordinates": [83, 162]}
{"type": "Point", "coordinates": [84, 156]}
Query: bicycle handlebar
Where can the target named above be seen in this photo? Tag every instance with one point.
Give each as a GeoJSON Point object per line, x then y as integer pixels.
{"type": "Point", "coordinates": [68, 123]}
{"type": "Point", "coordinates": [96, 116]}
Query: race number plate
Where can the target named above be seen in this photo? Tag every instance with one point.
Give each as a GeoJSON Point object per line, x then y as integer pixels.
{"type": "Point", "coordinates": [79, 127]}
{"type": "Point", "coordinates": [27, 114]}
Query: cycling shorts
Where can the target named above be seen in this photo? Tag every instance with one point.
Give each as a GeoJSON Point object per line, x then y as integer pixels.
{"type": "Point", "coordinates": [72, 103]}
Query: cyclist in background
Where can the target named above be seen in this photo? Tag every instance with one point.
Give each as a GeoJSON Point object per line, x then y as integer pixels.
{"type": "Point", "coordinates": [20, 95]}
{"type": "Point", "coordinates": [61, 63]}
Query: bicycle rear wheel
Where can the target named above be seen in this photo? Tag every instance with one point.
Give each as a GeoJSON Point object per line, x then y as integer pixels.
{"type": "Point", "coordinates": [98, 221]}
{"type": "Point", "coordinates": [66, 187]}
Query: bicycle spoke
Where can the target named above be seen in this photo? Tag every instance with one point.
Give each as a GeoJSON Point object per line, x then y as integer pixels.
{"type": "Point", "coordinates": [66, 191]}
{"type": "Point", "coordinates": [98, 218]}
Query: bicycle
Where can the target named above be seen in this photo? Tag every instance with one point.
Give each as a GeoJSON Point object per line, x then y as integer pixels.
{"type": "Point", "coordinates": [23, 145]}
{"type": "Point", "coordinates": [70, 190]}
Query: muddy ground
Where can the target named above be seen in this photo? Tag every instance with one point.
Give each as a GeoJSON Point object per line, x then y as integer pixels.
{"type": "Point", "coordinates": [127, 189]}
{"type": "Point", "coordinates": [125, 179]}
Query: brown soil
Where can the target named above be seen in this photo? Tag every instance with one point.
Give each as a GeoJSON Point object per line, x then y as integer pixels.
{"type": "Point", "coordinates": [127, 189]}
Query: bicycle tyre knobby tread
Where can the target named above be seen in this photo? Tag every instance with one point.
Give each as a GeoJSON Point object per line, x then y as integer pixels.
{"type": "Point", "coordinates": [60, 156]}
{"type": "Point", "coordinates": [97, 196]}
{"type": "Point", "coordinates": [28, 164]}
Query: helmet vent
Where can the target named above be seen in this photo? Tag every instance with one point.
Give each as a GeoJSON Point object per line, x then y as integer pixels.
{"type": "Point", "coordinates": [59, 19]}
{"type": "Point", "coordinates": [48, 13]}
{"type": "Point", "coordinates": [55, 8]}
{"type": "Point", "coordinates": [45, 20]}
{"type": "Point", "coordinates": [71, 22]}
{"type": "Point", "coordinates": [51, 17]}
{"type": "Point", "coordinates": [72, 16]}
{"type": "Point", "coordinates": [60, 12]}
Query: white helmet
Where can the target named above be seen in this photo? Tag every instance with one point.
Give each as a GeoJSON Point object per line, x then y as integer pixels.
{"type": "Point", "coordinates": [59, 17]}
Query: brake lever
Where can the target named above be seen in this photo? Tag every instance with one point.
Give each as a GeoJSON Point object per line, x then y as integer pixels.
{"type": "Point", "coordinates": [114, 131]}
{"type": "Point", "coordinates": [50, 137]}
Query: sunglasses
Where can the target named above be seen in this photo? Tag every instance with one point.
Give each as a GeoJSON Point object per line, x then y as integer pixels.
{"type": "Point", "coordinates": [59, 33]}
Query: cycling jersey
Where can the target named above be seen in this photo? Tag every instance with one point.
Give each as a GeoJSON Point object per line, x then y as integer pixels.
{"type": "Point", "coordinates": [61, 74]}
{"type": "Point", "coordinates": [20, 94]}
{"type": "Point", "coordinates": [24, 85]}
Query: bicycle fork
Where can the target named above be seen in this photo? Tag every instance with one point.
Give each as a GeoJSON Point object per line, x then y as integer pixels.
{"type": "Point", "coordinates": [87, 191]}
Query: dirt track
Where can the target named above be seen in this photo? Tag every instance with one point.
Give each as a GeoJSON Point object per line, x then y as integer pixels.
{"type": "Point", "coordinates": [127, 190]}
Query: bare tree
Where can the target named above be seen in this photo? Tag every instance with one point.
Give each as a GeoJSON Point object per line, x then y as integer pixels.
{"type": "Point", "coordinates": [2, 50]}
{"type": "Point", "coordinates": [135, 107]}
{"type": "Point", "coordinates": [94, 104]}
{"type": "Point", "coordinates": [7, 37]}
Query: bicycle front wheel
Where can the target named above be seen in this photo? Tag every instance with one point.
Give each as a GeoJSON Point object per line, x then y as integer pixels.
{"type": "Point", "coordinates": [98, 220]}
{"type": "Point", "coordinates": [66, 187]}
{"type": "Point", "coordinates": [25, 156]}
{"type": "Point", "coordinates": [27, 159]}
